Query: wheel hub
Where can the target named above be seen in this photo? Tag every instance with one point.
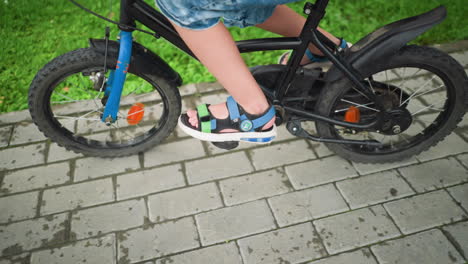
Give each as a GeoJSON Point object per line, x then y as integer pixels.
{"type": "Point", "coordinates": [396, 121]}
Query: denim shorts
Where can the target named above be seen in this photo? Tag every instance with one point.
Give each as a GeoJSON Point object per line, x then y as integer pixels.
{"type": "Point", "coordinates": [203, 14]}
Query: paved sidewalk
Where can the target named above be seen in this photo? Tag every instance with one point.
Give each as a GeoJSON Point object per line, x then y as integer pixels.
{"type": "Point", "coordinates": [187, 202]}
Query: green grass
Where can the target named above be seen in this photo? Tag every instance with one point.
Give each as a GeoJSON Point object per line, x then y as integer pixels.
{"type": "Point", "coordinates": [34, 32]}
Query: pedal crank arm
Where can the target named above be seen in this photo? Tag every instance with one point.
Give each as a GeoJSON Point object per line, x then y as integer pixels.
{"type": "Point", "coordinates": [295, 128]}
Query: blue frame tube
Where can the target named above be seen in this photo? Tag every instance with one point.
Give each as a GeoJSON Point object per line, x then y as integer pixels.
{"type": "Point", "coordinates": [117, 78]}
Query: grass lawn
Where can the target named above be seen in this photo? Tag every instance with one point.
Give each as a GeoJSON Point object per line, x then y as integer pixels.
{"type": "Point", "coordinates": [34, 32]}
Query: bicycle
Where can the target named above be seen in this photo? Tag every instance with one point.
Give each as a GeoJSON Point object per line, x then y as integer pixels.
{"type": "Point", "coordinates": [362, 106]}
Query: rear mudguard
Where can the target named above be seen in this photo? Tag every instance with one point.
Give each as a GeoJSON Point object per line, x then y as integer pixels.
{"type": "Point", "coordinates": [143, 60]}
{"type": "Point", "coordinates": [373, 49]}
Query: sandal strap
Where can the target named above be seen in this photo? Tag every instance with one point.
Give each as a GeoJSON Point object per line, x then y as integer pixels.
{"type": "Point", "coordinates": [318, 58]}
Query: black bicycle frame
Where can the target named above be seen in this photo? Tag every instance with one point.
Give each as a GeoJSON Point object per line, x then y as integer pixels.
{"type": "Point", "coordinates": [138, 10]}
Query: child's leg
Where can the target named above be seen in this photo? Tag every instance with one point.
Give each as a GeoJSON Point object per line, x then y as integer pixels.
{"type": "Point", "coordinates": [216, 49]}
{"type": "Point", "coordinates": [288, 23]}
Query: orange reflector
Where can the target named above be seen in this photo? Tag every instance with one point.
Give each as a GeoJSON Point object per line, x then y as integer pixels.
{"type": "Point", "coordinates": [352, 115]}
{"type": "Point", "coordinates": [135, 114]}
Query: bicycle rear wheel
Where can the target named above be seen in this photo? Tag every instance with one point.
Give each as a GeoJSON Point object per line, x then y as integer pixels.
{"type": "Point", "coordinates": [66, 101]}
{"type": "Point", "coordinates": [425, 90]}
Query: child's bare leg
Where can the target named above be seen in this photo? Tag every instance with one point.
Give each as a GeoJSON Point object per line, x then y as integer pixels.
{"type": "Point", "coordinates": [216, 49]}
{"type": "Point", "coordinates": [288, 23]}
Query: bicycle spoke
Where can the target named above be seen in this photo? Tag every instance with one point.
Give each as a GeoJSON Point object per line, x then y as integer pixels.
{"type": "Point", "coordinates": [360, 105]}
{"type": "Point", "coordinates": [412, 95]}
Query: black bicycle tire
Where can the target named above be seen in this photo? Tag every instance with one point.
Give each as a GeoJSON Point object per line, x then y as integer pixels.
{"type": "Point", "coordinates": [85, 57]}
{"type": "Point", "coordinates": [415, 54]}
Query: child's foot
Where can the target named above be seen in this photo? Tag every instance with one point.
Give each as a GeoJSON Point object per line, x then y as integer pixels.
{"type": "Point", "coordinates": [229, 122]}
{"type": "Point", "coordinates": [309, 57]}
{"type": "Point", "coordinates": [220, 111]}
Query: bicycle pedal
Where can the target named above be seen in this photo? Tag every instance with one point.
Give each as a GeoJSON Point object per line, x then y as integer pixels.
{"type": "Point", "coordinates": [227, 145]}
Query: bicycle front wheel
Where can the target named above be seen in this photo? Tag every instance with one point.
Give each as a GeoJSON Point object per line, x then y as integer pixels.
{"type": "Point", "coordinates": [66, 101]}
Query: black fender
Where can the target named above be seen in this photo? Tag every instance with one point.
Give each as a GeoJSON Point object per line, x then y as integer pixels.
{"type": "Point", "coordinates": [379, 45]}
{"type": "Point", "coordinates": [143, 60]}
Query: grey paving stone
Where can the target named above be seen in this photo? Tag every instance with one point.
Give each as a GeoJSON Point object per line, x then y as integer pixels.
{"type": "Point", "coordinates": [288, 245]}
{"type": "Point", "coordinates": [26, 133]}
{"type": "Point", "coordinates": [316, 172]}
{"type": "Point", "coordinates": [225, 253]}
{"type": "Point", "coordinates": [254, 186]}
{"type": "Point", "coordinates": [215, 98]}
{"type": "Point", "coordinates": [90, 168]}
{"type": "Point", "coordinates": [175, 151]}
{"type": "Point", "coordinates": [15, 117]}
{"type": "Point", "coordinates": [77, 196]}
{"type": "Point", "coordinates": [374, 188]}
{"type": "Point", "coordinates": [363, 256]}
{"type": "Point", "coordinates": [460, 193]}
{"type": "Point", "coordinates": [461, 57]}
{"type": "Point", "coordinates": [218, 167]}
{"type": "Point", "coordinates": [149, 181]}
{"type": "Point", "coordinates": [307, 204]}
{"type": "Point", "coordinates": [433, 175]}
{"type": "Point", "coordinates": [182, 202]}
{"type": "Point", "coordinates": [13, 158]}
{"type": "Point", "coordinates": [463, 159]}
{"type": "Point", "coordinates": [233, 222]}
{"type": "Point", "coordinates": [18, 207]}
{"type": "Point", "coordinates": [97, 250]}
{"type": "Point", "coordinates": [424, 211]}
{"type": "Point", "coordinates": [107, 218]}
{"type": "Point", "coordinates": [426, 247]}
{"type": "Point", "coordinates": [283, 134]}
{"type": "Point", "coordinates": [451, 145]}
{"type": "Point", "coordinates": [57, 153]}
{"type": "Point", "coordinates": [17, 259]}
{"type": "Point", "coordinates": [188, 89]}
{"type": "Point", "coordinates": [157, 240]}
{"type": "Point", "coordinates": [281, 154]}
{"type": "Point", "coordinates": [209, 87]}
{"type": "Point", "coordinates": [458, 234]}
{"type": "Point", "coordinates": [5, 133]}
{"type": "Point", "coordinates": [35, 178]}
{"type": "Point", "coordinates": [31, 234]}
{"type": "Point", "coordinates": [373, 168]}
{"type": "Point", "coordinates": [355, 229]}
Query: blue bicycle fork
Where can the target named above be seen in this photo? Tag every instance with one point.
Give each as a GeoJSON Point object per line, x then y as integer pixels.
{"type": "Point", "coordinates": [116, 79]}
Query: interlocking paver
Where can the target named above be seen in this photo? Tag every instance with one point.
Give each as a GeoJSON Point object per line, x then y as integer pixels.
{"type": "Point", "coordinates": [188, 89]}
{"type": "Point", "coordinates": [149, 181]}
{"type": "Point", "coordinates": [76, 196]}
{"type": "Point", "coordinates": [458, 234]}
{"type": "Point", "coordinates": [175, 151]}
{"type": "Point", "coordinates": [460, 193]}
{"type": "Point", "coordinates": [184, 202]}
{"type": "Point", "coordinates": [13, 158]}
{"type": "Point", "coordinates": [35, 178]}
{"type": "Point", "coordinates": [25, 206]}
{"type": "Point", "coordinates": [288, 245]}
{"type": "Point", "coordinates": [57, 153]}
{"type": "Point", "coordinates": [368, 168]}
{"type": "Point", "coordinates": [218, 167]}
{"type": "Point", "coordinates": [108, 218]}
{"type": "Point", "coordinates": [464, 159]}
{"type": "Point", "coordinates": [97, 250]}
{"type": "Point", "coordinates": [16, 259]}
{"type": "Point", "coordinates": [233, 222]}
{"type": "Point", "coordinates": [15, 117]}
{"type": "Point", "coordinates": [316, 172]}
{"type": "Point", "coordinates": [90, 168]}
{"type": "Point", "coordinates": [157, 240]}
{"type": "Point", "coordinates": [31, 234]}
{"type": "Point", "coordinates": [26, 133]}
{"type": "Point", "coordinates": [254, 186]}
{"type": "Point", "coordinates": [281, 154]}
{"type": "Point", "coordinates": [426, 247]}
{"type": "Point", "coordinates": [451, 145]}
{"type": "Point", "coordinates": [355, 229]}
{"type": "Point", "coordinates": [307, 204]}
{"type": "Point", "coordinates": [374, 188]}
{"type": "Point", "coordinates": [433, 175]}
{"type": "Point", "coordinates": [5, 134]}
{"type": "Point", "coordinates": [363, 256]}
{"type": "Point", "coordinates": [424, 211]}
{"type": "Point", "coordinates": [225, 253]}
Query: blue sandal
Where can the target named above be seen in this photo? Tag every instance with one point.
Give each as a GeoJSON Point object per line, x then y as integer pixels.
{"type": "Point", "coordinates": [249, 126]}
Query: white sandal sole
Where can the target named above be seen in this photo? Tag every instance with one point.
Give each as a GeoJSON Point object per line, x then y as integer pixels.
{"type": "Point", "coordinates": [250, 137]}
